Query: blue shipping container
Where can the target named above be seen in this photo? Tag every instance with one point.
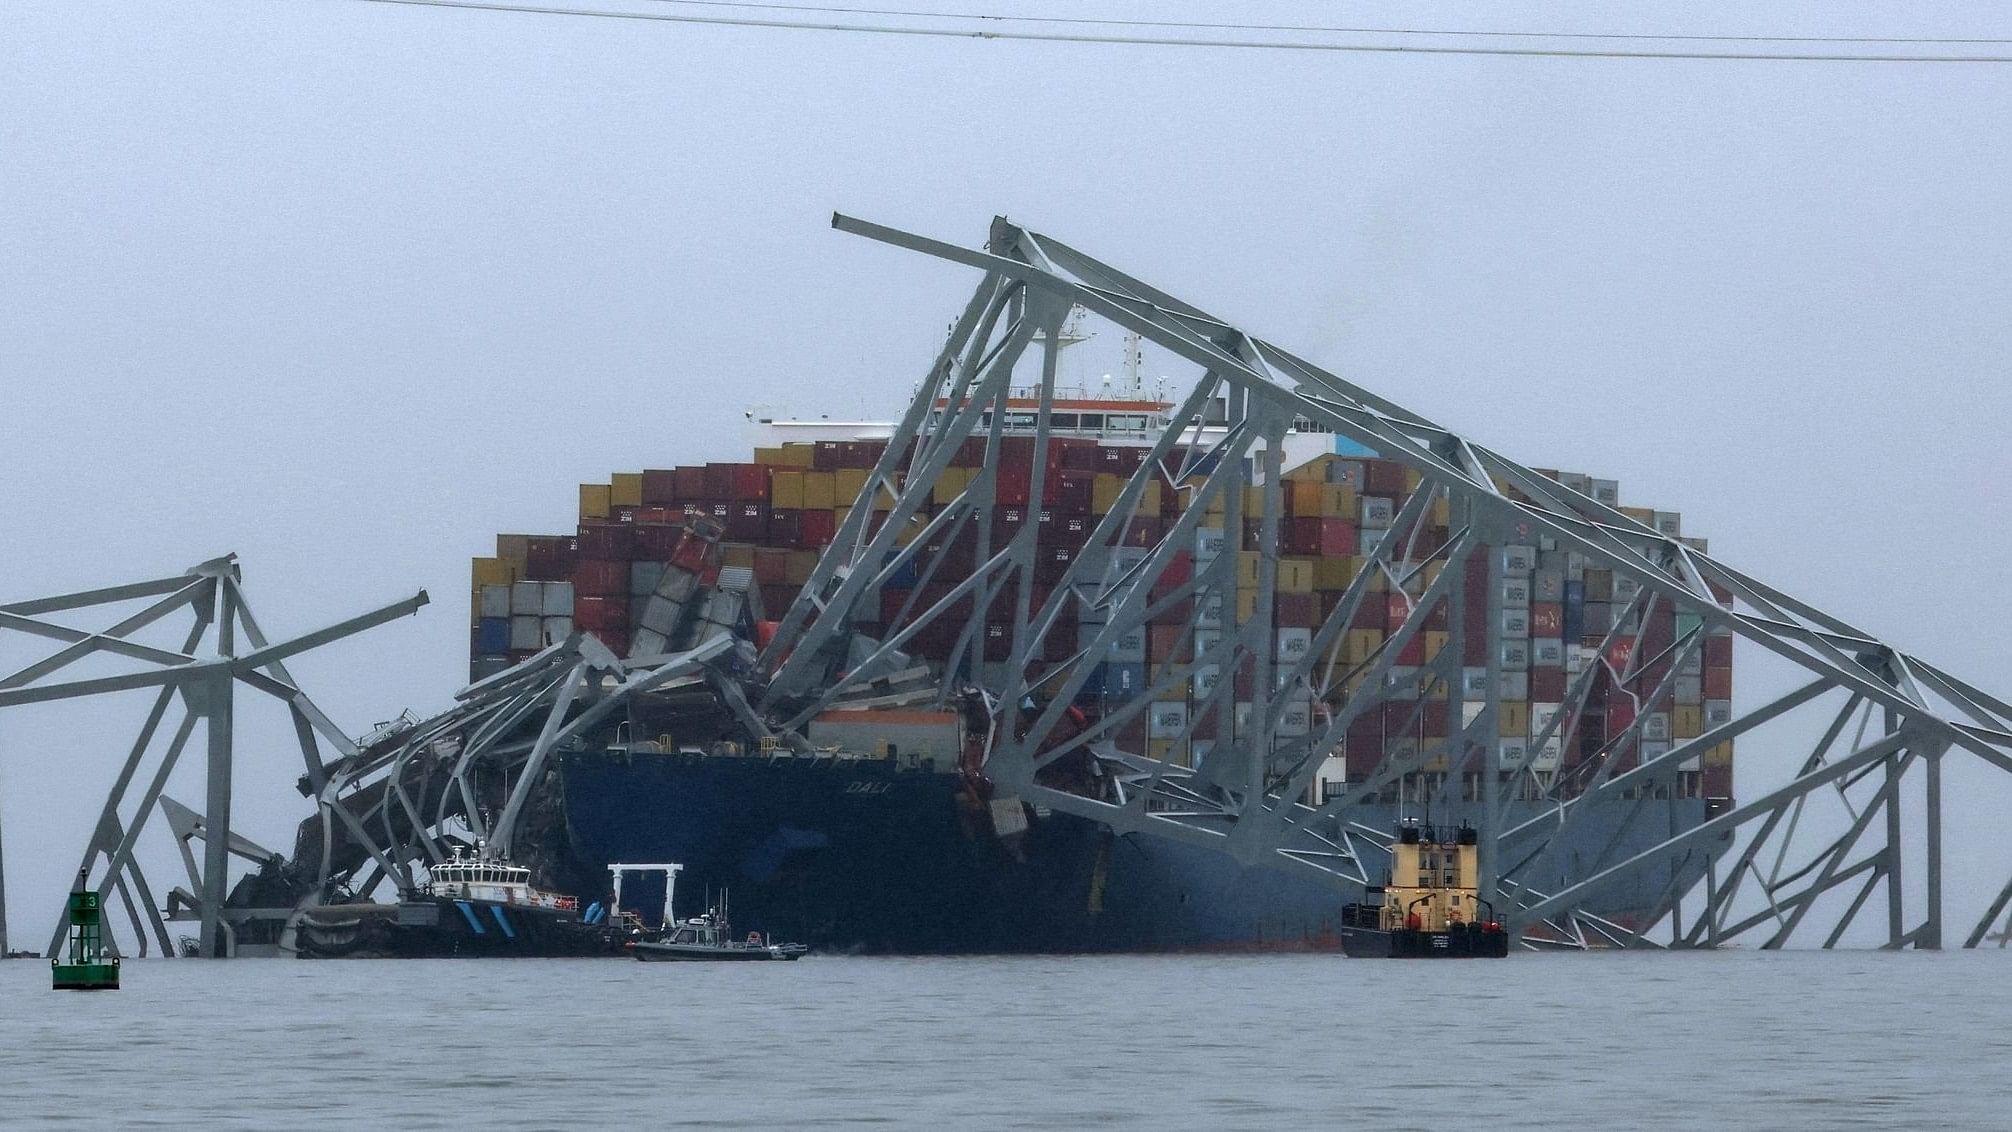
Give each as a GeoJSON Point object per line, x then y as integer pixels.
{"type": "Point", "coordinates": [492, 636]}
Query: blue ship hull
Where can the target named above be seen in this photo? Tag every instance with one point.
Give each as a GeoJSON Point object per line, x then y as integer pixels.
{"type": "Point", "coordinates": [863, 856]}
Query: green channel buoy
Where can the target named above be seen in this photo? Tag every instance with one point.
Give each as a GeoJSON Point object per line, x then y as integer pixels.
{"type": "Point", "coordinates": [89, 968]}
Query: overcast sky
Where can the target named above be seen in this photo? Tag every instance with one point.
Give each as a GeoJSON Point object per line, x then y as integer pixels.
{"type": "Point", "coordinates": [348, 288]}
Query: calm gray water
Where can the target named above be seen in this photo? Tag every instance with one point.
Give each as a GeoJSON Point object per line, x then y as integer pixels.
{"type": "Point", "coordinates": [1740, 1039]}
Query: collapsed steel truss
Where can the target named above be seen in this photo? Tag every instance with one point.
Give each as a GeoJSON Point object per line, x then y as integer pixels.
{"type": "Point", "coordinates": [1756, 871]}
{"type": "Point", "coordinates": [203, 675]}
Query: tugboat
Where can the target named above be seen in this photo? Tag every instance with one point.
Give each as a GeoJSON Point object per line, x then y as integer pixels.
{"type": "Point", "coordinates": [1430, 907]}
{"type": "Point", "coordinates": [709, 939]}
{"type": "Point", "coordinates": [89, 968]}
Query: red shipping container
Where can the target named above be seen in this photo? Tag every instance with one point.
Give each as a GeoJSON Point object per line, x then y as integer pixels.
{"type": "Point", "coordinates": [1413, 652]}
{"type": "Point", "coordinates": [1396, 607]}
{"type": "Point", "coordinates": [660, 486]}
{"type": "Point", "coordinates": [1620, 652]}
{"type": "Point", "coordinates": [771, 566]}
{"type": "Point", "coordinates": [1013, 486]}
{"type": "Point", "coordinates": [1179, 572]}
{"type": "Point", "coordinates": [1337, 538]}
{"type": "Point", "coordinates": [597, 612]}
{"type": "Point", "coordinates": [1718, 683]}
{"type": "Point", "coordinates": [600, 576]}
{"type": "Point", "coordinates": [1370, 614]}
{"type": "Point", "coordinates": [617, 640]}
{"type": "Point", "coordinates": [1620, 715]}
{"type": "Point", "coordinates": [776, 598]}
{"type": "Point", "coordinates": [1168, 645]}
{"type": "Point", "coordinates": [691, 483]}
{"type": "Point", "coordinates": [1364, 749]}
{"type": "Point", "coordinates": [1547, 620]}
{"type": "Point", "coordinates": [1076, 454]}
{"type": "Point", "coordinates": [1433, 722]}
{"type": "Point", "coordinates": [691, 553]}
{"type": "Point", "coordinates": [817, 528]}
{"type": "Point", "coordinates": [1718, 652]}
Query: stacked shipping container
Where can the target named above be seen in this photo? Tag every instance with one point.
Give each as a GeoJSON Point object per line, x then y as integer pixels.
{"type": "Point", "coordinates": [779, 512]}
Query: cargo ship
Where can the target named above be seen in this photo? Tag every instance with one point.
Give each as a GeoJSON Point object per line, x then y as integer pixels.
{"type": "Point", "coordinates": [874, 837]}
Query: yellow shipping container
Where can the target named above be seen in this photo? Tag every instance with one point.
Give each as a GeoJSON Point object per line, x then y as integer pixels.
{"type": "Point", "coordinates": [1149, 499]}
{"type": "Point", "coordinates": [1721, 755]}
{"type": "Point", "coordinates": [594, 502]}
{"type": "Point", "coordinates": [1247, 568]}
{"type": "Point", "coordinates": [1358, 644]}
{"type": "Point", "coordinates": [1643, 515]}
{"type": "Point", "coordinates": [494, 571]}
{"type": "Point", "coordinates": [801, 563]}
{"type": "Point", "coordinates": [1435, 641]}
{"type": "Point", "coordinates": [1513, 720]}
{"type": "Point", "coordinates": [1442, 512]}
{"type": "Point", "coordinates": [838, 517]}
{"type": "Point", "coordinates": [1338, 501]}
{"type": "Point", "coordinates": [1218, 508]}
{"type": "Point", "coordinates": [847, 483]}
{"type": "Point", "coordinates": [516, 548]}
{"type": "Point", "coordinates": [1313, 471]}
{"type": "Point", "coordinates": [949, 485]}
{"type": "Point", "coordinates": [1333, 573]}
{"type": "Point", "coordinates": [786, 490]}
{"type": "Point", "coordinates": [1246, 605]}
{"type": "Point", "coordinates": [818, 492]}
{"type": "Point", "coordinates": [1412, 479]}
{"type": "Point", "coordinates": [1253, 501]}
{"type": "Point", "coordinates": [910, 532]}
{"type": "Point", "coordinates": [1687, 721]}
{"type": "Point", "coordinates": [737, 554]}
{"type": "Point", "coordinates": [797, 456]}
{"type": "Point", "coordinates": [625, 489]}
{"type": "Point", "coordinates": [1295, 575]}
{"type": "Point", "coordinates": [1308, 496]}
{"type": "Point", "coordinates": [770, 456]}
{"type": "Point", "coordinates": [1104, 492]}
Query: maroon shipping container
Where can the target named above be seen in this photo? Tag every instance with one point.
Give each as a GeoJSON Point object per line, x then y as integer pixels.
{"type": "Point", "coordinates": [1620, 715]}
{"type": "Point", "coordinates": [828, 456]}
{"type": "Point", "coordinates": [1078, 455]}
{"type": "Point", "coordinates": [1051, 562]}
{"type": "Point", "coordinates": [1396, 607]}
{"type": "Point", "coordinates": [1718, 683]}
{"type": "Point", "coordinates": [785, 528]}
{"type": "Point", "coordinates": [607, 540]}
{"type": "Point", "coordinates": [1718, 781]}
{"type": "Point", "coordinates": [1718, 652]}
{"type": "Point", "coordinates": [1547, 620]}
{"type": "Point", "coordinates": [656, 541]}
{"type": "Point", "coordinates": [660, 487]}
{"type": "Point", "coordinates": [1547, 685]}
{"type": "Point", "coordinates": [1297, 611]}
{"type": "Point", "coordinates": [691, 484]}
{"type": "Point", "coordinates": [1119, 460]}
{"type": "Point", "coordinates": [1071, 491]}
{"type": "Point", "coordinates": [1179, 572]}
{"type": "Point", "coordinates": [771, 565]}
{"type": "Point", "coordinates": [1383, 477]}
{"type": "Point", "coordinates": [1433, 720]}
{"type": "Point", "coordinates": [1620, 652]}
{"type": "Point", "coordinates": [549, 558]}
{"type": "Point", "coordinates": [1301, 536]}
{"type": "Point", "coordinates": [617, 639]}
{"type": "Point", "coordinates": [600, 576]}
{"type": "Point", "coordinates": [776, 598]}
{"type": "Point", "coordinates": [1413, 652]}
{"type": "Point", "coordinates": [1364, 749]}
{"type": "Point", "coordinates": [747, 521]}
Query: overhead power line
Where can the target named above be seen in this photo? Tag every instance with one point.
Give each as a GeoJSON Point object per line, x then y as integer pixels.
{"type": "Point", "coordinates": [1321, 29]}
{"type": "Point", "coordinates": [1003, 32]}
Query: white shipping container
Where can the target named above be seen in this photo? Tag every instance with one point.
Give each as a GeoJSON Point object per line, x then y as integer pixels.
{"type": "Point", "coordinates": [1130, 647]}
{"type": "Point", "coordinates": [1292, 644]}
{"type": "Point", "coordinates": [527, 598]}
{"type": "Point", "coordinates": [1295, 718]}
{"type": "Point", "coordinates": [1516, 656]}
{"type": "Point", "coordinates": [644, 577]}
{"type": "Point", "coordinates": [1541, 716]}
{"type": "Point", "coordinates": [1208, 544]}
{"type": "Point", "coordinates": [1474, 683]}
{"type": "Point", "coordinates": [1205, 679]}
{"type": "Point", "coordinates": [1515, 686]}
{"type": "Point", "coordinates": [1547, 652]}
{"type": "Point", "coordinates": [1209, 611]}
{"type": "Point", "coordinates": [1718, 713]}
{"type": "Point", "coordinates": [1471, 711]}
{"type": "Point", "coordinates": [555, 629]}
{"type": "Point", "coordinates": [1515, 623]}
{"type": "Point", "coordinates": [1693, 665]}
{"type": "Point", "coordinates": [1547, 586]}
{"type": "Point", "coordinates": [1515, 593]}
{"type": "Point", "coordinates": [1519, 561]}
{"type": "Point", "coordinates": [1376, 511]}
{"type": "Point", "coordinates": [1656, 725]}
{"type": "Point", "coordinates": [1166, 720]}
{"type": "Point", "coordinates": [660, 615]}
{"type": "Point", "coordinates": [556, 599]}
{"type": "Point", "coordinates": [1655, 749]}
{"type": "Point", "coordinates": [495, 601]}
{"type": "Point", "coordinates": [1548, 754]}
{"type": "Point", "coordinates": [1625, 588]}
{"type": "Point", "coordinates": [525, 633]}
{"type": "Point", "coordinates": [1669, 522]}
{"type": "Point", "coordinates": [1576, 481]}
{"type": "Point", "coordinates": [1607, 492]}
{"type": "Point", "coordinates": [1689, 690]}
{"type": "Point", "coordinates": [1511, 754]}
